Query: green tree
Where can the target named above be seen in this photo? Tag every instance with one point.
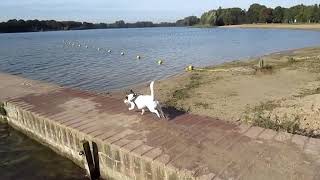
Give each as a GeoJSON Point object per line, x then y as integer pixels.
{"type": "Point", "coordinates": [188, 21]}
{"type": "Point", "coordinates": [231, 16]}
{"type": "Point", "coordinates": [314, 13]}
{"type": "Point", "coordinates": [266, 15]}
{"type": "Point", "coordinates": [254, 11]}
{"type": "Point", "coordinates": [278, 14]}
{"type": "Point", "coordinates": [209, 18]}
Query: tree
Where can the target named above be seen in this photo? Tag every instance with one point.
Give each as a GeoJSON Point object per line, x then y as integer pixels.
{"type": "Point", "coordinates": [266, 15]}
{"type": "Point", "coordinates": [278, 14]}
{"type": "Point", "coordinates": [318, 14]}
{"type": "Point", "coordinates": [314, 13]}
{"type": "Point", "coordinates": [120, 24]}
{"type": "Point", "coordinates": [209, 18]}
{"type": "Point", "coordinates": [188, 21]}
{"type": "Point", "coordinates": [254, 12]}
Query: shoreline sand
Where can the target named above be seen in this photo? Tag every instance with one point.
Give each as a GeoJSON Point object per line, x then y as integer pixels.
{"type": "Point", "coordinates": [313, 27]}
{"type": "Point", "coordinates": [283, 95]}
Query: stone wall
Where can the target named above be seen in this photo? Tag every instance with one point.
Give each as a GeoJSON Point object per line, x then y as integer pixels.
{"type": "Point", "coordinates": [115, 162]}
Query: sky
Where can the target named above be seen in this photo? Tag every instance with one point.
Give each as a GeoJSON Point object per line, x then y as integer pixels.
{"type": "Point", "coordinates": [128, 10]}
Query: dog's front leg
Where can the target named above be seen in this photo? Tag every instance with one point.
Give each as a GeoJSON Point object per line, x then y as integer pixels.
{"type": "Point", "coordinates": [131, 106]}
{"type": "Point", "coordinates": [142, 111]}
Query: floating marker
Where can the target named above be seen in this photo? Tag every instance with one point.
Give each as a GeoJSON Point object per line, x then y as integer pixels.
{"type": "Point", "coordinates": [190, 68]}
{"type": "Point", "coordinates": [98, 49]}
{"type": "Point", "coordinates": [122, 53]}
{"type": "Point", "coordinates": [79, 45]}
{"type": "Point", "coordinates": [87, 47]}
{"type": "Point", "coordinates": [138, 57]}
{"type": "Point", "coordinates": [160, 62]}
{"type": "Point", "coordinates": [109, 51]}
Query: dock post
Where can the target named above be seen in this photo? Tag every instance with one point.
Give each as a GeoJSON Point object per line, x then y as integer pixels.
{"type": "Point", "coordinates": [92, 159]}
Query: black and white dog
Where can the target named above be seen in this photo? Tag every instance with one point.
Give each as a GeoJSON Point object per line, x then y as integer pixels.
{"type": "Point", "coordinates": [144, 101]}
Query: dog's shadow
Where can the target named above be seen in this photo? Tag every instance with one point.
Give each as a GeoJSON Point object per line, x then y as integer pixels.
{"type": "Point", "coordinates": [172, 112]}
{"type": "Point", "coordinates": [169, 112]}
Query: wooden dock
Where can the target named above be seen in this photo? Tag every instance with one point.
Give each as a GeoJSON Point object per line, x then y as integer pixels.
{"type": "Point", "coordinates": [132, 146]}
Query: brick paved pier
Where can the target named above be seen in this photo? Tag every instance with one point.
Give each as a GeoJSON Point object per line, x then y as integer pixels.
{"type": "Point", "coordinates": [132, 146]}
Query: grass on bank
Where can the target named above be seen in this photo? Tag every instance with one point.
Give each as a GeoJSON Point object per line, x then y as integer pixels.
{"type": "Point", "coordinates": [3, 113]}
{"type": "Point", "coordinates": [2, 110]}
{"type": "Point", "coordinates": [260, 119]}
{"type": "Point", "coordinates": [184, 92]}
{"type": "Point", "coordinates": [3, 120]}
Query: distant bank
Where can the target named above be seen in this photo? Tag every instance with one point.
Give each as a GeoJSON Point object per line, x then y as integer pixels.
{"type": "Point", "coordinates": [315, 27]}
{"type": "Point", "coordinates": [256, 13]}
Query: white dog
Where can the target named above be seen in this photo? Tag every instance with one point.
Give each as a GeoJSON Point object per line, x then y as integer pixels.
{"type": "Point", "coordinates": [144, 101]}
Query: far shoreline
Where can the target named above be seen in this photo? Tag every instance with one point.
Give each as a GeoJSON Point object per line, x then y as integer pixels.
{"type": "Point", "coordinates": [311, 27]}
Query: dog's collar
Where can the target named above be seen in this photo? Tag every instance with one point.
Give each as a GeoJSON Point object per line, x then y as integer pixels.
{"type": "Point", "coordinates": [135, 96]}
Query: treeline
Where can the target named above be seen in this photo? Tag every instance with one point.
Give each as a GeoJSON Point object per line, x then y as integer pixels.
{"type": "Point", "coordinates": [52, 25]}
{"type": "Point", "coordinates": [217, 17]}
{"type": "Point", "coordinates": [255, 14]}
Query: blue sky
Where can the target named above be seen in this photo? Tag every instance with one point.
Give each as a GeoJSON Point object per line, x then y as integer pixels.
{"type": "Point", "coordinates": [128, 10]}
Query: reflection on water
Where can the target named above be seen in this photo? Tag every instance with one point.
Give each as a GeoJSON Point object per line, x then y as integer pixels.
{"type": "Point", "coordinates": [24, 159]}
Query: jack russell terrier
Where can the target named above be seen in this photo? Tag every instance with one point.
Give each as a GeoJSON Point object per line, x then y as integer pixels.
{"type": "Point", "coordinates": [144, 101]}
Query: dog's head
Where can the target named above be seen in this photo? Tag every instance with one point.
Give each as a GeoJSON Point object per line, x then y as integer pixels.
{"type": "Point", "coordinates": [129, 97]}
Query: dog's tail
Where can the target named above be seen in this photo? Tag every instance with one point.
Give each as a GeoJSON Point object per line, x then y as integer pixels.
{"type": "Point", "coordinates": [151, 89]}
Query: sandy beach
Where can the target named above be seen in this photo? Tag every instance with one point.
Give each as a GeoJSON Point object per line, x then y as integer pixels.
{"type": "Point", "coordinates": [283, 95]}
{"type": "Point", "coordinates": [315, 27]}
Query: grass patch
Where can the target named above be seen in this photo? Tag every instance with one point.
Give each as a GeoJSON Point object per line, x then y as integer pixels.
{"type": "Point", "coordinates": [291, 60]}
{"type": "Point", "coordinates": [3, 120]}
{"type": "Point", "coordinates": [260, 119]}
{"type": "Point", "coordinates": [232, 64]}
{"type": "Point", "coordinates": [308, 92]}
{"type": "Point", "coordinates": [284, 125]}
{"type": "Point", "coordinates": [202, 105]}
{"type": "Point", "coordinates": [313, 66]}
{"type": "Point", "coordinates": [267, 106]}
{"type": "Point", "coordinates": [2, 110]}
{"type": "Point", "coordinates": [184, 93]}
{"type": "Point", "coordinates": [265, 69]}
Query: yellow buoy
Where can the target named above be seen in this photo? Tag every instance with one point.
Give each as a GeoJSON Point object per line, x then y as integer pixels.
{"type": "Point", "coordinates": [190, 68]}
{"type": "Point", "coordinates": [160, 62]}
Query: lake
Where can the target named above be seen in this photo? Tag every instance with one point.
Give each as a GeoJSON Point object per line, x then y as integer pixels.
{"type": "Point", "coordinates": [48, 56]}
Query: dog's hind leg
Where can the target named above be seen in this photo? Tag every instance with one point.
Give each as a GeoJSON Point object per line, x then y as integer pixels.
{"type": "Point", "coordinates": [155, 111]}
{"type": "Point", "coordinates": [142, 111]}
{"type": "Point", "coordinates": [159, 108]}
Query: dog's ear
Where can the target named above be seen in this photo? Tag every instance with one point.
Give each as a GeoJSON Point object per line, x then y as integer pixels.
{"type": "Point", "coordinates": [131, 91]}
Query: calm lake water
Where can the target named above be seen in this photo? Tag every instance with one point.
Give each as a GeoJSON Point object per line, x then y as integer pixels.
{"type": "Point", "coordinates": [44, 55]}
{"type": "Point", "coordinates": [24, 159]}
